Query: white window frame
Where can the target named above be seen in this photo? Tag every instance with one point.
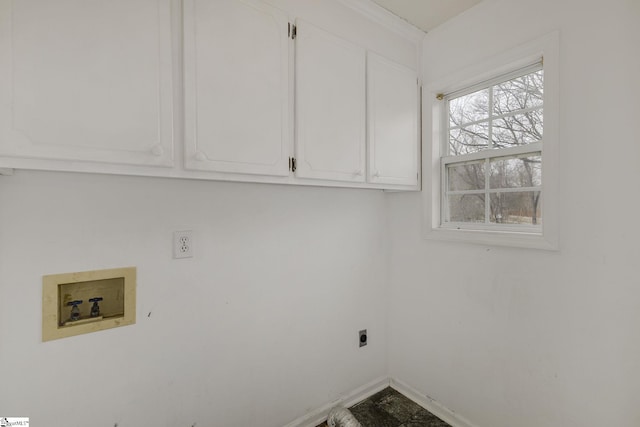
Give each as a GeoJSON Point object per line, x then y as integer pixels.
{"type": "Point", "coordinates": [545, 236]}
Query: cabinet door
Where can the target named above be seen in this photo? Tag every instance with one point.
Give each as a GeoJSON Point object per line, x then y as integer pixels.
{"type": "Point", "coordinates": [330, 106]}
{"type": "Point", "coordinates": [393, 122]}
{"type": "Point", "coordinates": [236, 87]}
{"type": "Point", "coordinates": [86, 80]}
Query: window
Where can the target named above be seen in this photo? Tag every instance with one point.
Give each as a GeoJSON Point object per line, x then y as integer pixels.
{"type": "Point", "coordinates": [493, 146]}
{"type": "Point", "coordinates": [494, 153]}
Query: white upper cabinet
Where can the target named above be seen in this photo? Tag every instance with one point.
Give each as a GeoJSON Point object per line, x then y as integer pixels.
{"type": "Point", "coordinates": [330, 106]}
{"type": "Point", "coordinates": [89, 86]}
{"type": "Point", "coordinates": [237, 96]}
{"type": "Point", "coordinates": [392, 122]}
{"type": "Point", "coordinates": [86, 81]}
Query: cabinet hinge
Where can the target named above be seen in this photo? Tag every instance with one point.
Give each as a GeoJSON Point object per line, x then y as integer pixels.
{"type": "Point", "coordinates": [292, 164]}
{"type": "Point", "coordinates": [293, 31]}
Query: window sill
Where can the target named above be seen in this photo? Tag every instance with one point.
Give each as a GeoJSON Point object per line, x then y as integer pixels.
{"type": "Point", "coordinates": [493, 238]}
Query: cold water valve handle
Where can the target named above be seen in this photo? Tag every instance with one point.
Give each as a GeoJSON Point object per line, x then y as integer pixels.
{"type": "Point", "coordinates": [75, 311]}
{"type": "Point", "coordinates": [95, 308]}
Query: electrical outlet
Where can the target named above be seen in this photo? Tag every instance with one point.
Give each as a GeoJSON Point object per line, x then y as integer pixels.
{"type": "Point", "coordinates": [182, 244]}
{"type": "Point", "coordinates": [362, 338]}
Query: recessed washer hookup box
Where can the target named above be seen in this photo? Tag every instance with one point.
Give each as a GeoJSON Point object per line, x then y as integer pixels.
{"type": "Point", "coordinates": [88, 301]}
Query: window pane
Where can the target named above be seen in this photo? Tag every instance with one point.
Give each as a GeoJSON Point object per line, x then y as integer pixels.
{"type": "Point", "coordinates": [516, 208]}
{"type": "Point", "coordinates": [466, 208]}
{"type": "Point", "coordinates": [518, 94]}
{"type": "Point", "coordinates": [519, 129]}
{"type": "Point", "coordinates": [467, 176]}
{"type": "Point", "coordinates": [470, 139]}
{"type": "Point", "coordinates": [514, 172]}
{"type": "Point", "coordinates": [469, 108]}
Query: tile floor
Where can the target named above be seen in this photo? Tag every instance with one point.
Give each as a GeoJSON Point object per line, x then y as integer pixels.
{"type": "Point", "coordinates": [388, 408]}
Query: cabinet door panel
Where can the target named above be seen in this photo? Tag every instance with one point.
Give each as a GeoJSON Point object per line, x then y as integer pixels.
{"type": "Point", "coordinates": [237, 87]}
{"type": "Point", "coordinates": [393, 122]}
{"type": "Point", "coordinates": [330, 106]}
{"type": "Point", "coordinates": [86, 80]}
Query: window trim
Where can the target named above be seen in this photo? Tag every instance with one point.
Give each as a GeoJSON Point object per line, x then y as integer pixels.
{"type": "Point", "coordinates": [510, 62]}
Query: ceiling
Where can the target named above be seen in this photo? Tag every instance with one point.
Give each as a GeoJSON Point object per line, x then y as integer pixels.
{"type": "Point", "coordinates": [427, 14]}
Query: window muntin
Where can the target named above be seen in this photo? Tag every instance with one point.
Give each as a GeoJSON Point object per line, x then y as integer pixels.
{"type": "Point", "coordinates": [492, 170]}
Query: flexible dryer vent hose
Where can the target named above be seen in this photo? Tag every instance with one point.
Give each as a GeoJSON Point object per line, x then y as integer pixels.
{"type": "Point", "coordinates": [342, 417]}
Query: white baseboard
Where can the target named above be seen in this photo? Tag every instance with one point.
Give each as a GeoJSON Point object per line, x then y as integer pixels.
{"type": "Point", "coordinates": [431, 405]}
{"type": "Point", "coordinates": [312, 419]}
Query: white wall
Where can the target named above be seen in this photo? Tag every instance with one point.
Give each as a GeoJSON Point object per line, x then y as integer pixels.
{"type": "Point", "coordinates": [515, 337]}
{"type": "Point", "coordinates": [257, 329]}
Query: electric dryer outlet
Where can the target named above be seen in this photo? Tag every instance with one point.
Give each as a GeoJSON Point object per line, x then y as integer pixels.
{"type": "Point", "coordinates": [362, 338]}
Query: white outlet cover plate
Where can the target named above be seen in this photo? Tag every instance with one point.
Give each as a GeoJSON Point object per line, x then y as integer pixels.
{"type": "Point", "coordinates": [183, 244]}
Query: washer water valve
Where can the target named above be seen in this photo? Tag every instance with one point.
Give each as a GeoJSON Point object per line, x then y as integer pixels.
{"type": "Point", "coordinates": [75, 311]}
{"type": "Point", "coordinates": [95, 308]}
